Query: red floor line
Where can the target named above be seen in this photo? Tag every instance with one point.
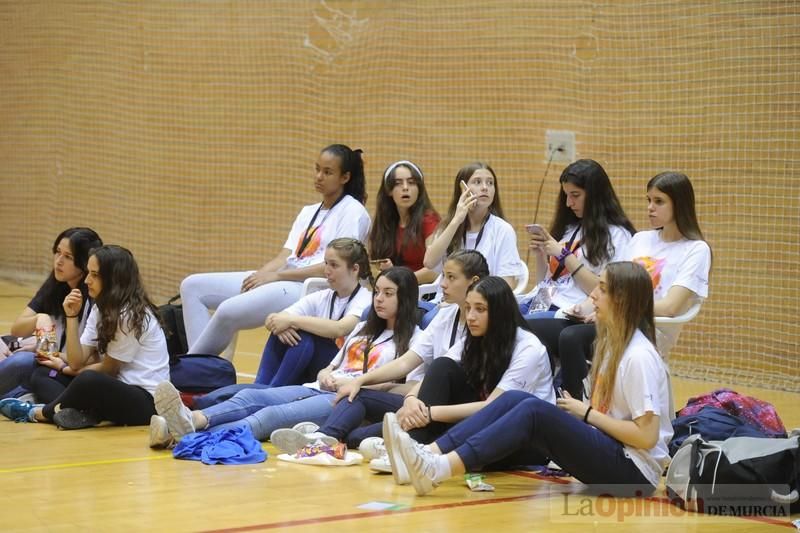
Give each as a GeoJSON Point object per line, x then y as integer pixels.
{"type": "Point", "coordinates": [451, 505]}
{"type": "Point", "coordinates": [372, 514]}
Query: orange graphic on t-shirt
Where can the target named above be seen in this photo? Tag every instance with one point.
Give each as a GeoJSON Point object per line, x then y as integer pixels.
{"type": "Point", "coordinates": [354, 357]}
{"type": "Point", "coordinates": [654, 266]}
{"type": "Point", "coordinates": [313, 243]}
{"type": "Point", "coordinates": [600, 383]}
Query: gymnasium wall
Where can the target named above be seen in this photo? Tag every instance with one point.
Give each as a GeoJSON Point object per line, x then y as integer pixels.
{"type": "Point", "coordinates": [187, 131]}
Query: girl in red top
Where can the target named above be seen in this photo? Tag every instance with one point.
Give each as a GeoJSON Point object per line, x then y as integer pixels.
{"type": "Point", "coordinates": [404, 220]}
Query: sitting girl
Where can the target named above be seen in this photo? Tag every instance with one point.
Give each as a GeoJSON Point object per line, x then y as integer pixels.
{"type": "Point", "coordinates": [589, 229]}
{"type": "Point", "coordinates": [404, 220]}
{"type": "Point", "coordinates": [45, 313]}
{"type": "Point", "coordinates": [619, 438]}
{"type": "Point", "coordinates": [243, 300]}
{"type": "Point", "coordinates": [386, 332]}
{"type": "Point", "coordinates": [118, 360]}
{"type": "Point", "coordinates": [497, 355]}
{"type": "Point", "coordinates": [475, 221]}
{"type": "Point", "coordinates": [307, 334]}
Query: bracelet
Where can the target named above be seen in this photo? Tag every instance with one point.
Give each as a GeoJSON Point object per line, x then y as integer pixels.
{"type": "Point", "coordinates": [577, 270]}
{"type": "Point", "coordinates": [73, 316]}
{"type": "Point", "coordinates": [586, 416]}
{"type": "Point", "coordinates": [564, 254]}
{"type": "Point", "coordinates": [430, 416]}
{"type": "Point", "coordinates": [409, 396]}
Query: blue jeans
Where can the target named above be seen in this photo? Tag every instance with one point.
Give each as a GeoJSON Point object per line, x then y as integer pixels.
{"type": "Point", "coordinates": [346, 417]}
{"type": "Point", "coordinates": [15, 371]}
{"type": "Point", "coordinates": [519, 422]}
{"type": "Point", "coordinates": [223, 394]}
{"type": "Point", "coordinates": [282, 364]}
{"type": "Point", "coordinates": [266, 410]}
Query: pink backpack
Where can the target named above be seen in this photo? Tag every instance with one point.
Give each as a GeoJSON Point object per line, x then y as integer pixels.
{"type": "Point", "coordinates": [757, 412]}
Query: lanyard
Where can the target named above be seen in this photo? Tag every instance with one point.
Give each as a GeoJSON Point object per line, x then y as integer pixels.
{"type": "Point", "coordinates": [309, 234]}
{"type": "Point", "coordinates": [562, 266]}
{"type": "Point", "coordinates": [333, 300]}
{"type": "Point", "coordinates": [455, 328]}
{"type": "Point", "coordinates": [369, 348]}
{"type": "Point", "coordinates": [480, 233]}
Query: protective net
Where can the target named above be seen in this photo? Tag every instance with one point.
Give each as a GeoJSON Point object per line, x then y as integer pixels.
{"type": "Point", "coordinates": [187, 131]}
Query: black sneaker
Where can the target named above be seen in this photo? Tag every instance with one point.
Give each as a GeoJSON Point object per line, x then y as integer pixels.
{"type": "Point", "coordinates": [71, 418]}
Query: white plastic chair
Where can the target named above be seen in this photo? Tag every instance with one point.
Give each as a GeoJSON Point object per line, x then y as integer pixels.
{"type": "Point", "coordinates": [313, 285]}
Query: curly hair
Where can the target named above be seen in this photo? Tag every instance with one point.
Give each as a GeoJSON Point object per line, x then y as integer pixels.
{"type": "Point", "coordinates": [123, 302]}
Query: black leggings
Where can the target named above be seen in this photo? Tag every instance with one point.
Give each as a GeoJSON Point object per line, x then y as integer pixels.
{"type": "Point", "coordinates": [445, 383]}
{"type": "Point", "coordinates": [572, 344]}
{"type": "Point", "coordinates": [107, 397]}
{"type": "Point", "coordinates": [45, 387]}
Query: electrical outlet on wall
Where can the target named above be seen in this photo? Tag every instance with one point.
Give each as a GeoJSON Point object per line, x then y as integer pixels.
{"type": "Point", "coordinates": [560, 144]}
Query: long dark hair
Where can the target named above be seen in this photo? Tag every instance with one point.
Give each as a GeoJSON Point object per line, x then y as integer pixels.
{"type": "Point", "coordinates": [406, 320]}
{"type": "Point", "coordinates": [352, 162]}
{"type": "Point", "coordinates": [122, 302]}
{"type": "Point", "coordinates": [53, 292]}
{"type": "Point", "coordinates": [495, 209]}
{"type": "Point", "coordinates": [601, 209]}
{"type": "Point", "coordinates": [679, 189]}
{"type": "Point", "coordinates": [383, 235]}
{"type": "Point", "coordinates": [486, 358]}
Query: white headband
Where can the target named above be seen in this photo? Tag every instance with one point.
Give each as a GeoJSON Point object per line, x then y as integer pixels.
{"type": "Point", "coordinates": [401, 163]}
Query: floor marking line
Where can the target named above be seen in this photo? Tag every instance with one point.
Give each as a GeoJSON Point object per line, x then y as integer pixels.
{"type": "Point", "coordinates": [84, 463]}
{"type": "Point", "coordinates": [373, 514]}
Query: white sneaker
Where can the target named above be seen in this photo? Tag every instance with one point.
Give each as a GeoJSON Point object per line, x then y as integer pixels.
{"type": "Point", "coordinates": [305, 427]}
{"type": "Point", "coordinates": [289, 440]}
{"type": "Point", "coordinates": [391, 434]}
{"type": "Point", "coordinates": [159, 433]}
{"type": "Point", "coordinates": [372, 448]}
{"type": "Point", "coordinates": [421, 464]}
{"type": "Point", "coordinates": [169, 405]}
{"type": "Point", "coordinates": [381, 464]}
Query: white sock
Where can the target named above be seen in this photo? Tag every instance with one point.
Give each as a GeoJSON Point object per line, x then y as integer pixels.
{"type": "Point", "coordinates": [442, 469]}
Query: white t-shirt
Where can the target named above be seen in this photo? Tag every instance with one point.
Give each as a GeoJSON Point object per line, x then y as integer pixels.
{"type": "Point", "coordinates": [499, 246]}
{"type": "Point", "coordinates": [567, 292]}
{"type": "Point", "coordinates": [349, 362]}
{"type": "Point", "coordinates": [642, 385]}
{"type": "Point", "coordinates": [529, 368]}
{"type": "Point", "coordinates": [685, 263]}
{"type": "Point", "coordinates": [145, 362]}
{"type": "Point", "coordinates": [348, 218]}
{"type": "Point", "coordinates": [318, 304]}
{"type": "Point", "coordinates": [434, 341]}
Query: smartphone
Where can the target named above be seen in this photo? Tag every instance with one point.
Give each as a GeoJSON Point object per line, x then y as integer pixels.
{"type": "Point", "coordinates": [534, 228]}
{"type": "Point", "coordinates": [464, 186]}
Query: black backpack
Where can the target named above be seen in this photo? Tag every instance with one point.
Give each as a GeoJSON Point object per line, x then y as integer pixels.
{"type": "Point", "coordinates": [739, 476]}
{"type": "Point", "coordinates": [171, 315]}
